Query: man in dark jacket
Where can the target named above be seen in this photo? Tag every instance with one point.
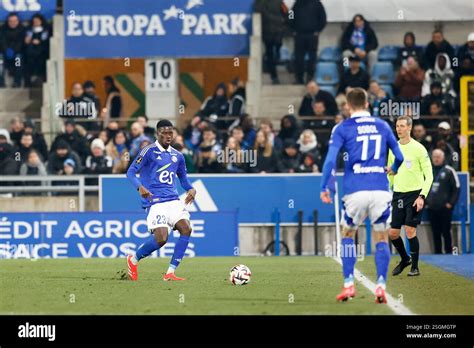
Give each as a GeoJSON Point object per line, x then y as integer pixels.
{"type": "Point", "coordinates": [57, 158]}
{"type": "Point", "coordinates": [290, 158]}
{"type": "Point", "coordinates": [12, 38]}
{"type": "Point", "coordinates": [76, 142]}
{"type": "Point", "coordinates": [8, 165]}
{"type": "Point", "coordinates": [315, 94]}
{"type": "Point", "coordinates": [437, 45]}
{"type": "Point", "coordinates": [309, 20]}
{"type": "Point", "coordinates": [355, 76]}
{"type": "Point", "coordinates": [441, 200]}
{"type": "Point", "coordinates": [437, 94]}
{"type": "Point", "coordinates": [38, 139]}
{"type": "Point", "coordinates": [409, 49]}
{"type": "Point", "coordinates": [359, 40]}
{"type": "Point", "coordinates": [467, 50]}
{"type": "Point", "coordinates": [237, 97]}
{"type": "Point", "coordinates": [273, 28]}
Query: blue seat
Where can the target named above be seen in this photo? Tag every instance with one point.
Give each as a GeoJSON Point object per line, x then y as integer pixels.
{"type": "Point", "coordinates": [329, 88]}
{"type": "Point", "coordinates": [383, 73]}
{"type": "Point", "coordinates": [330, 54]}
{"type": "Point", "coordinates": [388, 53]}
{"type": "Point", "coordinates": [326, 73]}
{"type": "Point", "coordinates": [388, 89]}
{"type": "Point", "coordinates": [285, 54]}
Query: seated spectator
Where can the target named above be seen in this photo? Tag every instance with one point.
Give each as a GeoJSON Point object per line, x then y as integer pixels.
{"type": "Point", "coordinates": [452, 157]}
{"type": "Point", "coordinates": [344, 111]}
{"type": "Point", "coordinates": [113, 108]}
{"type": "Point", "coordinates": [437, 45]}
{"type": "Point", "coordinates": [267, 158]}
{"type": "Point", "coordinates": [308, 144]}
{"type": "Point", "coordinates": [36, 50]}
{"type": "Point", "coordinates": [419, 134]}
{"type": "Point", "coordinates": [437, 94]}
{"type": "Point", "coordinates": [104, 136]}
{"type": "Point", "coordinates": [117, 149]}
{"type": "Point", "coordinates": [149, 131]}
{"type": "Point", "coordinates": [289, 128]}
{"type": "Point", "coordinates": [442, 73]}
{"type": "Point", "coordinates": [90, 93]}
{"type": "Point", "coordinates": [193, 133]}
{"type": "Point", "coordinates": [445, 133]}
{"type": "Point", "coordinates": [466, 68]}
{"type": "Point", "coordinates": [308, 165]}
{"type": "Point", "coordinates": [249, 132]}
{"type": "Point", "coordinates": [179, 144]}
{"type": "Point", "coordinates": [98, 162]}
{"type": "Point", "coordinates": [33, 166]}
{"type": "Point", "coordinates": [435, 111]}
{"type": "Point", "coordinates": [78, 106]}
{"type": "Point", "coordinates": [69, 168]}
{"type": "Point", "coordinates": [17, 127]}
{"type": "Point", "coordinates": [467, 50]}
{"type": "Point", "coordinates": [409, 49]}
{"type": "Point", "coordinates": [26, 145]}
{"type": "Point", "coordinates": [290, 159]}
{"type": "Point", "coordinates": [313, 94]}
{"type": "Point", "coordinates": [355, 76]}
{"type": "Point", "coordinates": [237, 97]}
{"type": "Point", "coordinates": [39, 142]}
{"type": "Point", "coordinates": [8, 165]}
{"type": "Point", "coordinates": [236, 165]}
{"type": "Point", "coordinates": [74, 139]}
{"type": "Point", "coordinates": [409, 81]}
{"type": "Point", "coordinates": [376, 96]}
{"type": "Point", "coordinates": [238, 134]}
{"type": "Point", "coordinates": [208, 152]}
{"type": "Point", "coordinates": [112, 129]}
{"type": "Point", "coordinates": [266, 127]}
{"type": "Point", "coordinates": [137, 136]}
{"type": "Point", "coordinates": [359, 40]}
{"type": "Point", "coordinates": [12, 39]}
{"type": "Point", "coordinates": [62, 152]}
{"type": "Point", "coordinates": [216, 106]}
{"type": "Point", "coordinates": [320, 123]}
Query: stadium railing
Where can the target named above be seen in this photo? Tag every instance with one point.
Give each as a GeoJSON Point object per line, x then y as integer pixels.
{"type": "Point", "coordinates": [15, 184]}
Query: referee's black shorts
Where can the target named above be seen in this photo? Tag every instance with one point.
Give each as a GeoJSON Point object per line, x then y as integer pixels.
{"type": "Point", "coordinates": [403, 211]}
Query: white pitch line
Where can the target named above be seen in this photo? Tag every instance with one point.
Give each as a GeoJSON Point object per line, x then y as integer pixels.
{"type": "Point", "coordinates": [394, 305]}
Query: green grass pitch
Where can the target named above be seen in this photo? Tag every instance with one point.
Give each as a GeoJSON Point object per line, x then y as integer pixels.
{"type": "Point", "coordinates": [279, 285]}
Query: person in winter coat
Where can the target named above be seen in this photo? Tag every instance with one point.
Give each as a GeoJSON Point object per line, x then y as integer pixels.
{"type": "Point", "coordinates": [437, 45]}
{"type": "Point", "coordinates": [309, 20]}
{"type": "Point", "coordinates": [441, 200]}
{"type": "Point", "coordinates": [359, 39]}
{"type": "Point", "coordinates": [313, 94]}
{"type": "Point", "coordinates": [267, 158]}
{"type": "Point", "coordinates": [441, 72]}
{"type": "Point", "coordinates": [117, 149]}
{"type": "Point", "coordinates": [409, 81]}
{"type": "Point", "coordinates": [290, 159]}
{"type": "Point", "coordinates": [273, 28]}
{"type": "Point", "coordinates": [216, 106]}
{"type": "Point", "coordinates": [237, 97]}
{"type": "Point", "coordinates": [308, 144]}
{"type": "Point", "coordinates": [409, 49]}
{"type": "Point", "coordinates": [289, 128]}
{"type": "Point", "coordinates": [37, 49]}
{"type": "Point", "coordinates": [62, 152]}
{"type": "Point", "coordinates": [74, 139]}
{"type": "Point", "coordinates": [12, 40]}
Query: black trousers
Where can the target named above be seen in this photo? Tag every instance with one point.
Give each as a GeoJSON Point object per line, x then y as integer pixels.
{"type": "Point", "coordinates": [272, 53]}
{"type": "Point", "coordinates": [440, 220]}
{"type": "Point", "coordinates": [305, 43]}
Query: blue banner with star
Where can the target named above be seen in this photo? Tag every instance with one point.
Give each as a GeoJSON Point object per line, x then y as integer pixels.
{"type": "Point", "coordinates": [150, 28]}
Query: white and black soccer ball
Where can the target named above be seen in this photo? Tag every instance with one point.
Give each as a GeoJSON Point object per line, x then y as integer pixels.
{"type": "Point", "coordinates": [240, 275]}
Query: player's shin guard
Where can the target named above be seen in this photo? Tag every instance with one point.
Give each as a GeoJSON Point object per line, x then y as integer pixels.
{"type": "Point", "coordinates": [382, 260]}
{"type": "Point", "coordinates": [348, 258]}
{"type": "Point", "coordinates": [414, 251]}
{"type": "Point", "coordinates": [146, 249]}
{"type": "Point", "coordinates": [179, 250]}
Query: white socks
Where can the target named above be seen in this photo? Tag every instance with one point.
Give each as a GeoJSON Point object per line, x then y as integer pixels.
{"type": "Point", "coordinates": [171, 269]}
{"type": "Point", "coordinates": [134, 260]}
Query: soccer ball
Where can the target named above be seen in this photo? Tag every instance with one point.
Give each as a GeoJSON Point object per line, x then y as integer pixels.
{"type": "Point", "coordinates": [240, 275]}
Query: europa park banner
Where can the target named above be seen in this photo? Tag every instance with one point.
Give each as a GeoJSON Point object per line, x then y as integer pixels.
{"type": "Point", "coordinates": [151, 28]}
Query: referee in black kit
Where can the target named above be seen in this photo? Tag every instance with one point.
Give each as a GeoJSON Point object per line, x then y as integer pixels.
{"type": "Point", "coordinates": [411, 185]}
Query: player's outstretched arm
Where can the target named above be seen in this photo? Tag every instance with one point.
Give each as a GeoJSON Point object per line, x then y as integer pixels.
{"type": "Point", "coordinates": [335, 145]}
